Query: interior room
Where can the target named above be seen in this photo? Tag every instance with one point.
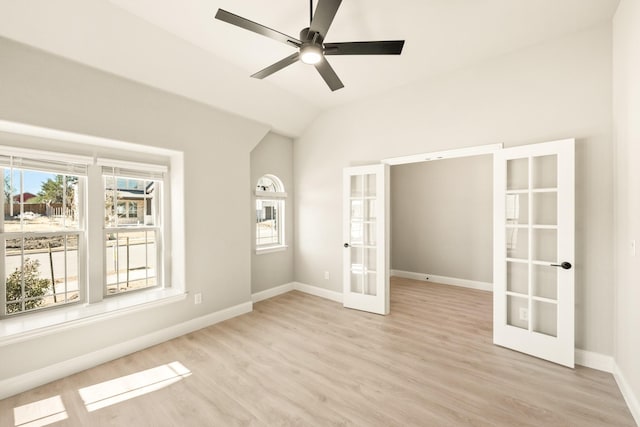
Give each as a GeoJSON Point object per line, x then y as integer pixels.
{"type": "Point", "coordinates": [182, 226]}
{"type": "Point", "coordinates": [443, 233]}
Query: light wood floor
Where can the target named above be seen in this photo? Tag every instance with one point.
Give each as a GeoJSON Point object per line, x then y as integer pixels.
{"type": "Point", "coordinates": [302, 360]}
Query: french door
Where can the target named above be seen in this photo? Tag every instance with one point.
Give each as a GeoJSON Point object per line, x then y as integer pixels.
{"type": "Point", "coordinates": [366, 243]}
{"type": "Point", "coordinates": [533, 299]}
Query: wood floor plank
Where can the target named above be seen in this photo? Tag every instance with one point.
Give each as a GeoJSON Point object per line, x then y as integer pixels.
{"type": "Point", "coordinates": [302, 360]}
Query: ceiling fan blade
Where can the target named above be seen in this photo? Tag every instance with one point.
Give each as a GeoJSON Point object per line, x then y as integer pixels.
{"type": "Point", "coordinates": [241, 22]}
{"type": "Point", "coordinates": [277, 66]}
{"type": "Point", "coordinates": [389, 47]}
{"type": "Point", "coordinates": [329, 76]}
{"type": "Point", "coordinates": [323, 16]}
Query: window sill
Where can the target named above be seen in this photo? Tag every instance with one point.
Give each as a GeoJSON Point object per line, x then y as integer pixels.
{"type": "Point", "coordinates": [271, 249]}
{"type": "Point", "coordinates": [37, 324]}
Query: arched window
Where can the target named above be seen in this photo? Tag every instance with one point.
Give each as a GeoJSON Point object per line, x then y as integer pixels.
{"type": "Point", "coordinates": [270, 200]}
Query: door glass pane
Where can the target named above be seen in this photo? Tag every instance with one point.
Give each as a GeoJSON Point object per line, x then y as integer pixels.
{"type": "Point", "coordinates": [545, 171]}
{"type": "Point", "coordinates": [517, 243]}
{"type": "Point", "coordinates": [370, 209]}
{"type": "Point", "coordinates": [545, 208]}
{"type": "Point", "coordinates": [518, 174]}
{"type": "Point", "coordinates": [357, 237]}
{"type": "Point", "coordinates": [545, 318]}
{"type": "Point", "coordinates": [356, 186]}
{"type": "Point", "coordinates": [370, 234]}
{"type": "Point", "coordinates": [545, 281]}
{"type": "Point", "coordinates": [356, 260]}
{"type": "Point", "coordinates": [517, 312]}
{"type": "Point", "coordinates": [356, 282]}
{"type": "Point", "coordinates": [370, 259]}
{"type": "Point", "coordinates": [545, 246]}
{"type": "Point", "coordinates": [517, 277]}
{"type": "Point", "coordinates": [370, 189]}
{"type": "Point", "coordinates": [517, 208]}
{"type": "Point", "coordinates": [356, 209]}
{"type": "Point", "coordinates": [370, 285]}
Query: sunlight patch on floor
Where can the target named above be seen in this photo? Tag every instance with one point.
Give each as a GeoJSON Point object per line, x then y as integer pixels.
{"type": "Point", "coordinates": [128, 387]}
{"type": "Point", "coordinates": [40, 413]}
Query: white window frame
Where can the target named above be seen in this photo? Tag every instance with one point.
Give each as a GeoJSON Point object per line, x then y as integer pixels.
{"type": "Point", "coordinates": [96, 308]}
{"type": "Point", "coordinates": [118, 169]}
{"type": "Point", "coordinates": [56, 163]}
{"type": "Point", "coordinates": [278, 197]}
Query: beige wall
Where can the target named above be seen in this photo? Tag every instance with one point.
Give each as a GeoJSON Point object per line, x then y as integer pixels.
{"type": "Point", "coordinates": [441, 218]}
{"type": "Point", "coordinates": [626, 113]}
{"type": "Point", "coordinates": [556, 90]}
{"type": "Point", "coordinates": [274, 156]}
{"type": "Point", "coordinates": [44, 90]}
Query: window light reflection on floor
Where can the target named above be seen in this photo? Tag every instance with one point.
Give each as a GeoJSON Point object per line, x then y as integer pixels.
{"type": "Point", "coordinates": [128, 387]}
{"type": "Point", "coordinates": [40, 413]}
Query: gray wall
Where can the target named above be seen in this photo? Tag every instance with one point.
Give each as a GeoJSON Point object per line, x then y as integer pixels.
{"type": "Point", "coordinates": [274, 155]}
{"type": "Point", "coordinates": [44, 90]}
{"type": "Point", "coordinates": [626, 113]}
{"type": "Point", "coordinates": [441, 218]}
{"type": "Point", "coordinates": [560, 89]}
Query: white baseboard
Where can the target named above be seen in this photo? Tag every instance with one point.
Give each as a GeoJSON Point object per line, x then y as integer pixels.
{"type": "Point", "coordinates": [629, 396]}
{"type": "Point", "coordinates": [29, 380]}
{"type": "Point", "coordinates": [317, 291]}
{"type": "Point", "coordinates": [297, 286]}
{"type": "Point", "coordinates": [593, 360]}
{"type": "Point", "coordinates": [273, 292]}
{"type": "Point", "coordinates": [443, 280]}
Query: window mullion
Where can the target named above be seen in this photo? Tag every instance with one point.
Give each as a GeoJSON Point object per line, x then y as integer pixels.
{"type": "Point", "coordinates": [95, 234]}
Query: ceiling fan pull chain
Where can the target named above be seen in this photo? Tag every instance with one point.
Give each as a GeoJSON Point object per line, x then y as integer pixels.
{"type": "Point", "coordinates": [310, 12]}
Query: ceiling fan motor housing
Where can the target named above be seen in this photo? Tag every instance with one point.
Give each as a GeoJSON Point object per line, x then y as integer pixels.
{"type": "Point", "coordinates": [311, 50]}
{"type": "Point", "coordinates": [310, 37]}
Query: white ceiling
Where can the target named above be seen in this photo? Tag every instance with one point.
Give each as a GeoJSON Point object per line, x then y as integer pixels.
{"type": "Point", "coordinates": [178, 46]}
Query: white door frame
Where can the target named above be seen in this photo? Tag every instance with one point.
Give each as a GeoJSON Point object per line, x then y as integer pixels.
{"type": "Point", "coordinates": [446, 154]}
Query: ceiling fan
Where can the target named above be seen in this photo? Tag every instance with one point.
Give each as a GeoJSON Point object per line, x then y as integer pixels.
{"type": "Point", "coordinates": [311, 47]}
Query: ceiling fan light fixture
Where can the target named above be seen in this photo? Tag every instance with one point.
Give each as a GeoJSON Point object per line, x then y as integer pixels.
{"type": "Point", "coordinates": [311, 54]}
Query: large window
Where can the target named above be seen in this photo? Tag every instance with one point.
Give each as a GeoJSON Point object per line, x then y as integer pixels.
{"type": "Point", "coordinates": [270, 203]}
{"type": "Point", "coordinates": [131, 228]}
{"type": "Point", "coordinates": [52, 206]}
{"type": "Point", "coordinates": [42, 230]}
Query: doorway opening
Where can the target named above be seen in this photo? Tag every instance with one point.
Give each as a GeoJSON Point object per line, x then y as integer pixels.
{"type": "Point", "coordinates": [446, 196]}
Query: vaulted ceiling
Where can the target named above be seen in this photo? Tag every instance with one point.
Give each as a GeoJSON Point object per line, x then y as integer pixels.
{"type": "Point", "coordinates": [179, 47]}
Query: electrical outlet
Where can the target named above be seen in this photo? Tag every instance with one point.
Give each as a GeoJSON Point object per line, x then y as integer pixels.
{"type": "Point", "coordinates": [326, 275]}
{"type": "Point", "coordinates": [524, 313]}
{"type": "Point", "coordinates": [197, 298]}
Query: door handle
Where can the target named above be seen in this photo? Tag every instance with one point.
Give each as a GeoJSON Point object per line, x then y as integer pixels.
{"type": "Point", "coordinates": [346, 245]}
{"type": "Point", "coordinates": [566, 265]}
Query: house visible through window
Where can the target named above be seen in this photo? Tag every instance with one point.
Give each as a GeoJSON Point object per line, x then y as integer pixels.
{"type": "Point", "coordinates": [48, 215]}
{"type": "Point", "coordinates": [41, 230]}
{"type": "Point", "coordinates": [132, 229]}
{"type": "Point", "coordinates": [270, 203]}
